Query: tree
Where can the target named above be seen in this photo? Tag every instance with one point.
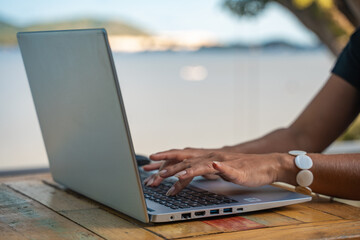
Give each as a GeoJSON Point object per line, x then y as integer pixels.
{"type": "Point", "coordinates": [332, 21]}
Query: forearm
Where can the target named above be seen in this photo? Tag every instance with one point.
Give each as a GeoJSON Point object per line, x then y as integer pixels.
{"type": "Point", "coordinates": [280, 140]}
{"type": "Point", "coordinates": [336, 175]}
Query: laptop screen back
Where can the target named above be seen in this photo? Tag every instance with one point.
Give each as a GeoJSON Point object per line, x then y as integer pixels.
{"type": "Point", "coordinates": [79, 106]}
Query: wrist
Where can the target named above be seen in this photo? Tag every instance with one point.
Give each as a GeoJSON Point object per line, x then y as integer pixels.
{"type": "Point", "coordinates": [228, 149]}
{"type": "Point", "coordinates": [287, 169]}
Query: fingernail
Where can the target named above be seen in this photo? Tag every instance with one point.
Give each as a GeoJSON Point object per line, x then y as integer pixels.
{"type": "Point", "coordinates": [150, 182]}
{"type": "Point", "coordinates": [170, 191]}
{"type": "Point", "coordinates": [162, 172]}
{"type": "Point", "coordinates": [216, 163]}
{"type": "Point", "coordinates": [147, 179]}
{"type": "Point", "coordinates": [180, 173]}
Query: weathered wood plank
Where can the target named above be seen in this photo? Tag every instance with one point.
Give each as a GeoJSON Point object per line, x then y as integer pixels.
{"type": "Point", "coordinates": [31, 219]}
{"type": "Point", "coordinates": [83, 211]}
{"type": "Point", "coordinates": [270, 219]}
{"type": "Point", "coordinates": [183, 229]}
{"type": "Point", "coordinates": [305, 214]}
{"type": "Point", "coordinates": [337, 209]}
{"type": "Point", "coordinates": [50, 196]}
{"type": "Point", "coordinates": [36, 176]}
{"type": "Point", "coordinates": [7, 233]}
{"type": "Point", "coordinates": [339, 229]}
{"type": "Point", "coordinates": [58, 187]}
{"type": "Point", "coordinates": [231, 224]}
{"type": "Point", "coordinates": [108, 225]}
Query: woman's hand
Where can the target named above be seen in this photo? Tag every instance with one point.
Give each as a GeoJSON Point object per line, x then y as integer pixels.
{"type": "Point", "coordinates": [250, 170]}
{"type": "Point", "coordinates": [172, 157]}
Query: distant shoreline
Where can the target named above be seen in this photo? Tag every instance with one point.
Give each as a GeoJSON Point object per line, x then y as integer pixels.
{"type": "Point", "coordinates": [240, 49]}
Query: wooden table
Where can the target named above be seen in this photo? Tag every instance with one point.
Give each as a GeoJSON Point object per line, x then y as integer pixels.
{"type": "Point", "coordinates": [32, 207]}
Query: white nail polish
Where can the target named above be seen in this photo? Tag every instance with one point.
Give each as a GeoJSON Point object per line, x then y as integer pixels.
{"type": "Point", "coordinates": [146, 180]}
{"type": "Point", "coordinates": [180, 173]}
{"type": "Point", "coordinates": [170, 191]}
{"type": "Point", "coordinates": [162, 172]}
{"type": "Point", "coordinates": [150, 182]}
{"type": "Point", "coordinates": [217, 163]}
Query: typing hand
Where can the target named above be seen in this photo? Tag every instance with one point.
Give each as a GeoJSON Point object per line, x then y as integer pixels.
{"type": "Point", "coordinates": [171, 157]}
{"type": "Point", "coordinates": [250, 170]}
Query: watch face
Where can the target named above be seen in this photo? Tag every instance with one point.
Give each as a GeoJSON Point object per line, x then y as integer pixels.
{"type": "Point", "coordinates": [304, 178]}
{"type": "Point", "coordinates": [303, 162]}
{"type": "Point", "coordinates": [297, 152]}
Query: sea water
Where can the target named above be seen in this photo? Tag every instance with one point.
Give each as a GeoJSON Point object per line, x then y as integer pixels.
{"type": "Point", "coordinates": [178, 99]}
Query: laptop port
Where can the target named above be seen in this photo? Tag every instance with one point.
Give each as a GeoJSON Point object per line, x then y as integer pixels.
{"type": "Point", "coordinates": [240, 209]}
{"type": "Point", "coordinates": [214, 211]}
{"type": "Point", "coordinates": [202, 213]}
{"type": "Point", "coordinates": [186, 216]}
{"type": "Point", "coordinates": [227, 210]}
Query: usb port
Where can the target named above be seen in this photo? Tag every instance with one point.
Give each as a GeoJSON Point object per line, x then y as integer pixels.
{"type": "Point", "coordinates": [240, 209]}
{"type": "Point", "coordinates": [227, 210]}
{"type": "Point", "coordinates": [214, 211]}
{"type": "Point", "coordinates": [202, 213]}
{"type": "Point", "coordinates": [186, 215]}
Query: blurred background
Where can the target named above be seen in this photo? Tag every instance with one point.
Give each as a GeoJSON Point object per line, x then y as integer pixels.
{"type": "Point", "coordinates": [203, 73]}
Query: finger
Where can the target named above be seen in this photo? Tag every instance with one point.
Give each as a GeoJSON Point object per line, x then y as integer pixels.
{"type": "Point", "coordinates": [152, 166]}
{"type": "Point", "coordinates": [178, 186]}
{"type": "Point", "coordinates": [211, 176]}
{"type": "Point", "coordinates": [199, 169]}
{"type": "Point", "coordinates": [176, 169]}
{"type": "Point", "coordinates": [178, 155]}
{"type": "Point", "coordinates": [148, 181]}
{"type": "Point", "coordinates": [227, 172]}
{"type": "Point", "coordinates": [157, 180]}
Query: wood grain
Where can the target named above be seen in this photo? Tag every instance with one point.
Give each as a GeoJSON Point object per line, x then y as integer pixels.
{"type": "Point", "coordinates": [34, 221]}
{"type": "Point", "coordinates": [49, 196]}
{"type": "Point", "coordinates": [270, 219]}
{"type": "Point", "coordinates": [108, 225]}
{"type": "Point", "coordinates": [305, 214]}
{"type": "Point", "coordinates": [81, 210]}
{"type": "Point", "coordinates": [339, 229]}
{"type": "Point", "coordinates": [337, 209]}
{"type": "Point", "coordinates": [7, 233]}
{"type": "Point", "coordinates": [230, 224]}
{"type": "Point", "coordinates": [183, 229]}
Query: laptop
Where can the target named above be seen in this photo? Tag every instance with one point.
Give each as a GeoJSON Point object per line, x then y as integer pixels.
{"type": "Point", "coordinates": [82, 117]}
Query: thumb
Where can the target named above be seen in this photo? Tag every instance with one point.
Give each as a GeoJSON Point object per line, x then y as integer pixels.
{"type": "Point", "coordinates": [227, 173]}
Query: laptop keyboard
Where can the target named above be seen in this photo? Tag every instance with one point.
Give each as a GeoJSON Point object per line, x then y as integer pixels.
{"type": "Point", "coordinates": [187, 198]}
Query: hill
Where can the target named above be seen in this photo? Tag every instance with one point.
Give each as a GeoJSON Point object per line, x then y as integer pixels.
{"type": "Point", "coordinates": [8, 31]}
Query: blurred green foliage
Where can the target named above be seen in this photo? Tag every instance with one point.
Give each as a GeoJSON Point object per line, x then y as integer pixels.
{"type": "Point", "coordinates": [352, 133]}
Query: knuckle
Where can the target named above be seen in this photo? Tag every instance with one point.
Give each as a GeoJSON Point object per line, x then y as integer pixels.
{"type": "Point", "coordinates": [209, 166]}
{"type": "Point", "coordinates": [189, 171]}
{"type": "Point", "coordinates": [218, 156]}
{"type": "Point", "coordinates": [186, 162]}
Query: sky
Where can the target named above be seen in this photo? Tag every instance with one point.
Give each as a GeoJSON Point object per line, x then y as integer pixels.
{"type": "Point", "coordinates": [206, 17]}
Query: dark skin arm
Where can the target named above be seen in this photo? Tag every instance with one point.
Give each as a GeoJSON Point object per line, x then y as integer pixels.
{"type": "Point", "coordinates": [324, 119]}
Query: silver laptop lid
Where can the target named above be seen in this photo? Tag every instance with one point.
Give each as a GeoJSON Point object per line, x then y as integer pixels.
{"type": "Point", "coordinates": [79, 106]}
